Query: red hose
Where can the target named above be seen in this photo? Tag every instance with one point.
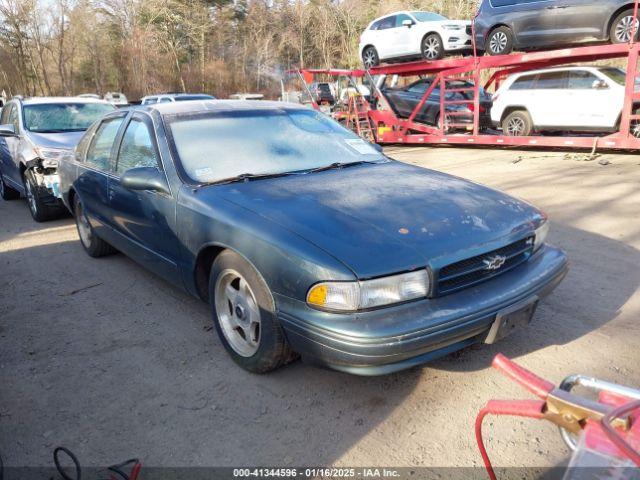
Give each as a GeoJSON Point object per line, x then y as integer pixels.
{"type": "Point", "coordinates": [615, 437]}
{"type": "Point", "coordinates": [516, 408]}
{"type": "Point", "coordinates": [529, 380]}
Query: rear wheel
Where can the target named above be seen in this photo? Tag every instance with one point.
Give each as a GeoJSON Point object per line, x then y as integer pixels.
{"type": "Point", "coordinates": [517, 124]}
{"type": "Point", "coordinates": [92, 244]}
{"type": "Point", "coordinates": [622, 27]}
{"type": "Point", "coordinates": [370, 58]}
{"type": "Point", "coordinates": [244, 315]}
{"type": "Point", "coordinates": [432, 47]}
{"type": "Point", "coordinates": [7, 192]}
{"type": "Point", "coordinates": [500, 41]}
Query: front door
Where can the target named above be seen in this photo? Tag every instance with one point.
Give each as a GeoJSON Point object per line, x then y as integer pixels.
{"type": "Point", "coordinates": [145, 220]}
{"type": "Point", "coordinates": [591, 101]}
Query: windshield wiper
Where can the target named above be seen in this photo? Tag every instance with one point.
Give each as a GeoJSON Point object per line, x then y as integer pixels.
{"type": "Point", "coordinates": [337, 165]}
{"type": "Point", "coordinates": [247, 177]}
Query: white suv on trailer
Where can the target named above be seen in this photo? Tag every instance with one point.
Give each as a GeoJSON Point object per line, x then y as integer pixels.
{"type": "Point", "coordinates": [570, 99]}
{"type": "Point", "coordinates": [410, 34]}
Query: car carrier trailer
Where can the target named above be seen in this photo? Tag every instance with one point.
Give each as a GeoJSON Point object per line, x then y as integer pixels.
{"type": "Point", "coordinates": [373, 116]}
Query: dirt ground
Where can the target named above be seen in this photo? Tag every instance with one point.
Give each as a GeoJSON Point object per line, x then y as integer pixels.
{"type": "Point", "coordinates": [107, 359]}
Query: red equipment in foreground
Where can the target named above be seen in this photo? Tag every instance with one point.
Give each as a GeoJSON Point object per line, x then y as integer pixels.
{"type": "Point", "coordinates": [608, 429]}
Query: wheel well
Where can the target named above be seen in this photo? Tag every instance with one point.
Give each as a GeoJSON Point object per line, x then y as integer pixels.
{"type": "Point", "coordinates": [204, 261]}
{"type": "Point", "coordinates": [509, 110]}
{"type": "Point", "coordinates": [495, 27]}
{"type": "Point", "coordinates": [615, 14]}
{"type": "Point", "coordinates": [364, 49]}
{"type": "Point", "coordinates": [23, 168]}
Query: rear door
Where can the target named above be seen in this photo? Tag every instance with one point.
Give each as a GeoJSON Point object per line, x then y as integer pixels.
{"type": "Point", "coordinates": [546, 102]}
{"type": "Point", "coordinates": [534, 21]}
{"type": "Point", "coordinates": [385, 37]}
{"type": "Point", "coordinates": [93, 175]}
{"type": "Point", "coordinates": [145, 220]}
{"type": "Point", "coordinates": [577, 20]}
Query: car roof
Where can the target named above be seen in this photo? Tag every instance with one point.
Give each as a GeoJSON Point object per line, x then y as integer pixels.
{"type": "Point", "coordinates": [560, 69]}
{"type": "Point", "coordinates": [199, 106]}
{"type": "Point", "coordinates": [45, 100]}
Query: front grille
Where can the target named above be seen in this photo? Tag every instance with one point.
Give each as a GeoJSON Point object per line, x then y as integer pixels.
{"type": "Point", "coordinates": [474, 270]}
{"type": "Point", "coordinates": [469, 30]}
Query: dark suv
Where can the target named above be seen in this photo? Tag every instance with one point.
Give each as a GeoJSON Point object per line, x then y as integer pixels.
{"type": "Point", "coordinates": [505, 25]}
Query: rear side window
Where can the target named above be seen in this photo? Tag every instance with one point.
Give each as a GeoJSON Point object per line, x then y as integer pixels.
{"type": "Point", "coordinates": [526, 82]}
{"type": "Point", "coordinates": [385, 23]}
{"type": "Point", "coordinates": [552, 81]}
{"type": "Point", "coordinates": [137, 148]}
{"type": "Point", "coordinates": [99, 152]}
{"type": "Point", "coordinates": [581, 80]}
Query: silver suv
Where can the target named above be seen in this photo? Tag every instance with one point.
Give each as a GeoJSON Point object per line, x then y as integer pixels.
{"type": "Point", "coordinates": [35, 135]}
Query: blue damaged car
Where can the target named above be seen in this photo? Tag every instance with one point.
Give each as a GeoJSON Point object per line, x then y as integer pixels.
{"type": "Point", "coordinates": [305, 239]}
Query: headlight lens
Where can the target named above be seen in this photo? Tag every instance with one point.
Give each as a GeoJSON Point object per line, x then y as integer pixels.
{"type": "Point", "coordinates": [52, 156]}
{"type": "Point", "coordinates": [353, 296]}
{"type": "Point", "coordinates": [541, 236]}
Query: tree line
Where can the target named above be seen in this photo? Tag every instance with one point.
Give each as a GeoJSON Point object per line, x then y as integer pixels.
{"type": "Point", "coordinates": [140, 47]}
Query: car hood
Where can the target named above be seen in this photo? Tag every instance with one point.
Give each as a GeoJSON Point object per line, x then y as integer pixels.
{"type": "Point", "coordinates": [66, 140]}
{"type": "Point", "coordinates": [385, 218]}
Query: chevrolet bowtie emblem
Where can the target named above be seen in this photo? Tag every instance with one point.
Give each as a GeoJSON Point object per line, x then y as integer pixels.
{"type": "Point", "coordinates": [494, 263]}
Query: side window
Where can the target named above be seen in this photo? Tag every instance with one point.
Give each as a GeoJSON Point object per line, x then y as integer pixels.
{"type": "Point", "coordinates": [12, 118]}
{"type": "Point", "coordinates": [137, 148]}
{"type": "Point", "coordinates": [4, 119]}
{"type": "Point", "coordinates": [420, 87]}
{"type": "Point", "coordinates": [401, 18]}
{"type": "Point", "coordinates": [99, 152]}
{"type": "Point", "coordinates": [581, 80]}
{"type": "Point", "coordinates": [526, 82]}
{"type": "Point", "coordinates": [376, 25]}
{"type": "Point", "coordinates": [81, 149]}
{"type": "Point", "coordinates": [164, 100]}
{"type": "Point", "coordinates": [552, 81]}
{"type": "Point", "coordinates": [389, 22]}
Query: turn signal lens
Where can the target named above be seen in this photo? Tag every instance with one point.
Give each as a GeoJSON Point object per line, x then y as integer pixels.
{"type": "Point", "coordinates": [541, 236]}
{"type": "Point", "coordinates": [353, 296]}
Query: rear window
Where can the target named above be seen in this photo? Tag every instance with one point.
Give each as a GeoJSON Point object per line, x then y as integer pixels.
{"type": "Point", "coordinates": [184, 98]}
{"type": "Point", "coordinates": [63, 117]}
{"type": "Point", "coordinates": [525, 82]}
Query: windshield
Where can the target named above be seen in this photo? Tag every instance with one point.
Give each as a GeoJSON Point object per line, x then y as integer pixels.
{"type": "Point", "coordinates": [216, 146]}
{"type": "Point", "coordinates": [63, 117]}
{"type": "Point", "coordinates": [182, 98]}
{"type": "Point", "coordinates": [428, 17]}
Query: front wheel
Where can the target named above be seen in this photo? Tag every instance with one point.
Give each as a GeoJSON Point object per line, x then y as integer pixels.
{"type": "Point", "coordinates": [499, 41]}
{"type": "Point", "coordinates": [40, 211]}
{"type": "Point", "coordinates": [244, 315]}
{"type": "Point", "coordinates": [622, 27]}
{"type": "Point", "coordinates": [517, 124]}
{"type": "Point", "coordinates": [432, 47]}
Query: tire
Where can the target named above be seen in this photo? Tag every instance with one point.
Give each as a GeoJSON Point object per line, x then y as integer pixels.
{"type": "Point", "coordinates": [499, 41]}
{"type": "Point", "coordinates": [448, 119]}
{"type": "Point", "coordinates": [7, 192]}
{"type": "Point", "coordinates": [40, 211]}
{"type": "Point", "coordinates": [370, 58]}
{"type": "Point", "coordinates": [244, 315]}
{"type": "Point", "coordinates": [635, 126]}
{"type": "Point", "coordinates": [432, 47]}
{"type": "Point", "coordinates": [517, 124]}
{"type": "Point", "coordinates": [92, 244]}
{"type": "Point", "coordinates": [620, 31]}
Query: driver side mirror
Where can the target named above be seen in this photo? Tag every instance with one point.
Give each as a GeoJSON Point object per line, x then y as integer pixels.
{"type": "Point", "coordinates": [599, 85]}
{"type": "Point", "coordinates": [7, 130]}
{"type": "Point", "coordinates": [145, 178]}
{"type": "Point", "coordinates": [407, 23]}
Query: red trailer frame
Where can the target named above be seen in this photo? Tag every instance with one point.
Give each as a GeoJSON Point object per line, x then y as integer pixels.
{"type": "Point", "coordinates": [389, 128]}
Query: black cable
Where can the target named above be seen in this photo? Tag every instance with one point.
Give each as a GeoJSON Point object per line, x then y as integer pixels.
{"type": "Point", "coordinates": [73, 458]}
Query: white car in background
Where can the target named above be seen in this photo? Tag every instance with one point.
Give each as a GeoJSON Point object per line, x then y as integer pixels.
{"type": "Point", "coordinates": [410, 34]}
{"type": "Point", "coordinates": [571, 99]}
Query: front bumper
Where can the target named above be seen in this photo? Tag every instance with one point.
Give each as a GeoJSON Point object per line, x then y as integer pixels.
{"type": "Point", "coordinates": [395, 338]}
{"type": "Point", "coordinates": [457, 41]}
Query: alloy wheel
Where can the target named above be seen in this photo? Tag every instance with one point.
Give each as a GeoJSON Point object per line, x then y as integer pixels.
{"type": "Point", "coordinates": [431, 49]}
{"type": "Point", "coordinates": [84, 227]}
{"type": "Point", "coordinates": [516, 127]}
{"type": "Point", "coordinates": [498, 42]}
{"type": "Point", "coordinates": [624, 28]}
{"type": "Point", "coordinates": [635, 128]}
{"type": "Point", "coordinates": [238, 312]}
{"type": "Point", "coordinates": [31, 197]}
{"type": "Point", "coordinates": [369, 59]}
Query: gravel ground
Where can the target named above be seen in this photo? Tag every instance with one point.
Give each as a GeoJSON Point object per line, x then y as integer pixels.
{"type": "Point", "coordinates": [111, 361]}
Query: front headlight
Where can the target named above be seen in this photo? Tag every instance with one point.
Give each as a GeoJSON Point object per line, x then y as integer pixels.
{"type": "Point", "coordinates": [51, 156]}
{"type": "Point", "coordinates": [541, 236]}
{"type": "Point", "coordinates": [453, 27]}
{"type": "Point", "coordinates": [354, 296]}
